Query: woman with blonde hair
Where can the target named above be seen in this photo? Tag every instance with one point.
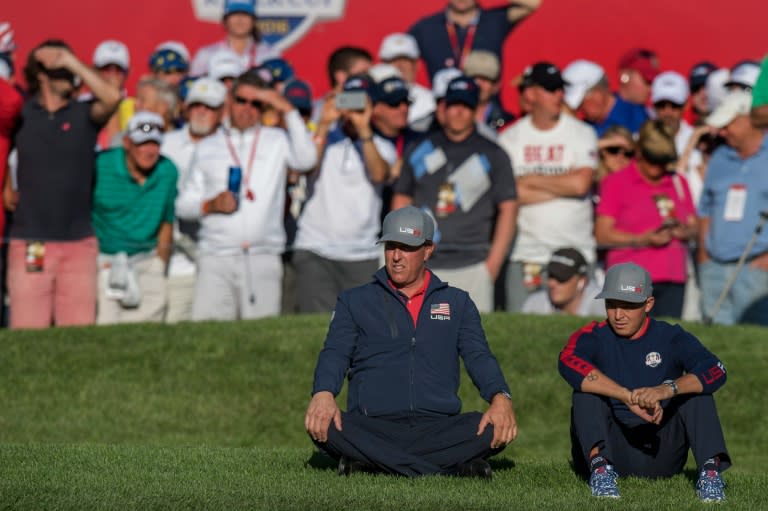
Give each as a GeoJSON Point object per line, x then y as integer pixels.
{"type": "Point", "coordinates": [646, 216]}
{"type": "Point", "coordinates": [616, 148]}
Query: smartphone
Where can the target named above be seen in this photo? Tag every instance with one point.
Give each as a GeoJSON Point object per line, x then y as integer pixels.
{"type": "Point", "coordinates": [352, 100]}
{"type": "Point", "coordinates": [668, 223]}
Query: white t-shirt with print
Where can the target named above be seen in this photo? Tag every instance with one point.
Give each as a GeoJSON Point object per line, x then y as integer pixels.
{"type": "Point", "coordinates": [544, 227]}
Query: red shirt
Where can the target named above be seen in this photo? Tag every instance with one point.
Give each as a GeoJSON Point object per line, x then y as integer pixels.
{"type": "Point", "coordinates": [415, 302]}
{"type": "Point", "coordinates": [10, 109]}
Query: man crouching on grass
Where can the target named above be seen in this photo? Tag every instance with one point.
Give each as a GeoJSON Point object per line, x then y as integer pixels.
{"type": "Point", "coordinates": [399, 339]}
{"type": "Point", "coordinates": [643, 394]}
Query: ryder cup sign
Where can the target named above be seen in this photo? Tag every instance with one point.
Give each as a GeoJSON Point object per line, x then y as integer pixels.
{"type": "Point", "coordinates": [281, 22]}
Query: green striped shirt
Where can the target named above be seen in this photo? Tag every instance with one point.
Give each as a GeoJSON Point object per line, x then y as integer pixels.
{"type": "Point", "coordinates": [126, 215]}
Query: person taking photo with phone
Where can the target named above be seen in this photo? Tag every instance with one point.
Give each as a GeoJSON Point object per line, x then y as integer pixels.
{"type": "Point", "coordinates": [337, 231]}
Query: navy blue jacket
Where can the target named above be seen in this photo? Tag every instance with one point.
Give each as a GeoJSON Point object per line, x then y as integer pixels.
{"type": "Point", "coordinates": [396, 369]}
{"type": "Point", "coordinates": [662, 352]}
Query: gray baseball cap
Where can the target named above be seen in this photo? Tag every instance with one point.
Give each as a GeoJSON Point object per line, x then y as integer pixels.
{"type": "Point", "coordinates": [627, 282]}
{"type": "Point", "coordinates": [409, 226]}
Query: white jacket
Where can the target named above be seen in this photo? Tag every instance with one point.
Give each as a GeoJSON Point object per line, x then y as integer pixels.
{"type": "Point", "coordinates": [257, 224]}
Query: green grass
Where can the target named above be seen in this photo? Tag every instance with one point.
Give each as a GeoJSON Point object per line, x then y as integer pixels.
{"type": "Point", "coordinates": [210, 416]}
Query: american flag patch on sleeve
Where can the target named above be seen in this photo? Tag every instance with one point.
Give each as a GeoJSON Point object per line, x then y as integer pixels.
{"type": "Point", "coordinates": [440, 311]}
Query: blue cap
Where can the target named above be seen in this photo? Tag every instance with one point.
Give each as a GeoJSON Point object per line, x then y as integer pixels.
{"type": "Point", "coordinates": [246, 6]}
{"type": "Point", "coordinates": [462, 89]}
{"type": "Point", "coordinates": [184, 85]}
{"type": "Point", "coordinates": [359, 83]}
{"type": "Point", "coordinates": [280, 69]}
{"type": "Point", "coordinates": [168, 60]}
{"type": "Point", "coordinates": [697, 78]}
{"type": "Point", "coordinates": [299, 94]}
{"type": "Point", "coordinates": [391, 91]}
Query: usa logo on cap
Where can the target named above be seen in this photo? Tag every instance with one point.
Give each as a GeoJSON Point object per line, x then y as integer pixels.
{"type": "Point", "coordinates": [282, 23]}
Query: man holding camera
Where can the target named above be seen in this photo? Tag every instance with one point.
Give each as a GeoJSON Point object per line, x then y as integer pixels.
{"type": "Point", "coordinates": [52, 255]}
{"type": "Point", "coordinates": [336, 237]}
{"type": "Point", "coordinates": [236, 189]}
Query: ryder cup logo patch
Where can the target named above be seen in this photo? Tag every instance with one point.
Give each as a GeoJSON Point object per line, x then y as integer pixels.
{"type": "Point", "coordinates": [282, 23]}
{"type": "Point", "coordinates": [653, 359]}
{"type": "Point", "coordinates": [440, 311]}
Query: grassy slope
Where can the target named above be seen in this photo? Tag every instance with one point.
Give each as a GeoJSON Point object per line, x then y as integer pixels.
{"type": "Point", "coordinates": [188, 404]}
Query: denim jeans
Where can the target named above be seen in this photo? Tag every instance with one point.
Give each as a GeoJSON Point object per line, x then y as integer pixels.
{"type": "Point", "coordinates": [747, 300]}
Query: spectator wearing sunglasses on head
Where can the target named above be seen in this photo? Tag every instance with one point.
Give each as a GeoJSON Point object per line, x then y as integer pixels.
{"type": "Point", "coordinates": [133, 213]}
{"type": "Point", "coordinates": [236, 189]}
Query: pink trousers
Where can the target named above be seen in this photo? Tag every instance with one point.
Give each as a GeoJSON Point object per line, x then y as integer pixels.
{"type": "Point", "coordinates": [62, 294]}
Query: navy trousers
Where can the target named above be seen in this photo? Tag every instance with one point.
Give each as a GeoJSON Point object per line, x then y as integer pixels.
{"type": "Point", "coordinates": [410, 446]}
{"type": "Point", "coordinates": [648, 450]}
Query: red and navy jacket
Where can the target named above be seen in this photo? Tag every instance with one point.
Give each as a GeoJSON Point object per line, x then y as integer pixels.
{"type": "Point", "coordinates": [662, 352]}
{"type": "Point", "coordinates": [398, 369]}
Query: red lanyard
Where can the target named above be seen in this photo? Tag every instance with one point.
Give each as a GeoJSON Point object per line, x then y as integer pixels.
{"type": "Point", "coordinates": [400, 145]}
{"type": "Point", "coordinates": [460, 53]}
{"type": "Point", "coordinates": [247, 179]}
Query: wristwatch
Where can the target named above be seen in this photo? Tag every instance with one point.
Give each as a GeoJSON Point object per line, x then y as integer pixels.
{"type": "Point", "coordinates": [505, 394]}
{"type": "Point", "coordinates": [671, 384]}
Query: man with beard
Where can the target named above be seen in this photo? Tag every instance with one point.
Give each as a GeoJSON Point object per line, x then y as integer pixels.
{"type": "Point", "coordinates": [52, 254]}
{"type": "Point", "coordinates": [204, 108]}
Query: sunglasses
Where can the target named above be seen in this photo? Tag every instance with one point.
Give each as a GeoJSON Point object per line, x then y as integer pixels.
{"type": "Point", "coordinates": [255, 103]}
{"type": "Point", "coordinates": [617, 149]}
{"type": "Point", "coordinates": [148, 127]}
{"type": "Point", "coordinates": [398, 104]}
{"type": "Point", "coordinates": [661, 105]}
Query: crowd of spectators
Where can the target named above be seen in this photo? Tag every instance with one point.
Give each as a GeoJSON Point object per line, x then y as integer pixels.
{"type": "Point", "coordinates": [221, 188]}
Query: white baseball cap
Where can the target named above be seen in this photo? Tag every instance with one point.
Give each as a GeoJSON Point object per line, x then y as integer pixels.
{"type": "Point", "coordinates": [383, 71]}
{"type": "Point", "coordinates": [208, 91]}
{"type": "Point", "coordinates": [441, 80]}
{"type": "Point", "coordinates": [580, 76]}
{"type": "Point", "coordinates": [670, 86]}
{"type": "Point", "coordinates": [736, 103]}
{"type": "Point", "coordinates": [145, 127]}
{"type": "Point", "coordinates": [715, 86]}
{"type": "Point", "coordinates": [111, 52]}
{"type": "Point", "coordinates": [744, 73]}
{"type": "Point", "coordinates": [224, 64]}
{"type": "Point", "coordinates": [398, 45]}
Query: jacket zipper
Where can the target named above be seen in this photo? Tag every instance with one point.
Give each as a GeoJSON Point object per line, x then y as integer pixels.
{"type": "Point", "coordinates": [413, 365]}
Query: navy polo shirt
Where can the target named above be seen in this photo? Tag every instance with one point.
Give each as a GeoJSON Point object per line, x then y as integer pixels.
{"type": "Point", "coordinates": [57, 159]}
{"type": "Point", "coordinates": [431, 34]}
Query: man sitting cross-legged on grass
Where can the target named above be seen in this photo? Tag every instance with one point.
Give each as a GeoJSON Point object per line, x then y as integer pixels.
{"type": "Point", "coordinates": [643, 393]}
{"type": "Point", "coordinates": [399, 339]}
